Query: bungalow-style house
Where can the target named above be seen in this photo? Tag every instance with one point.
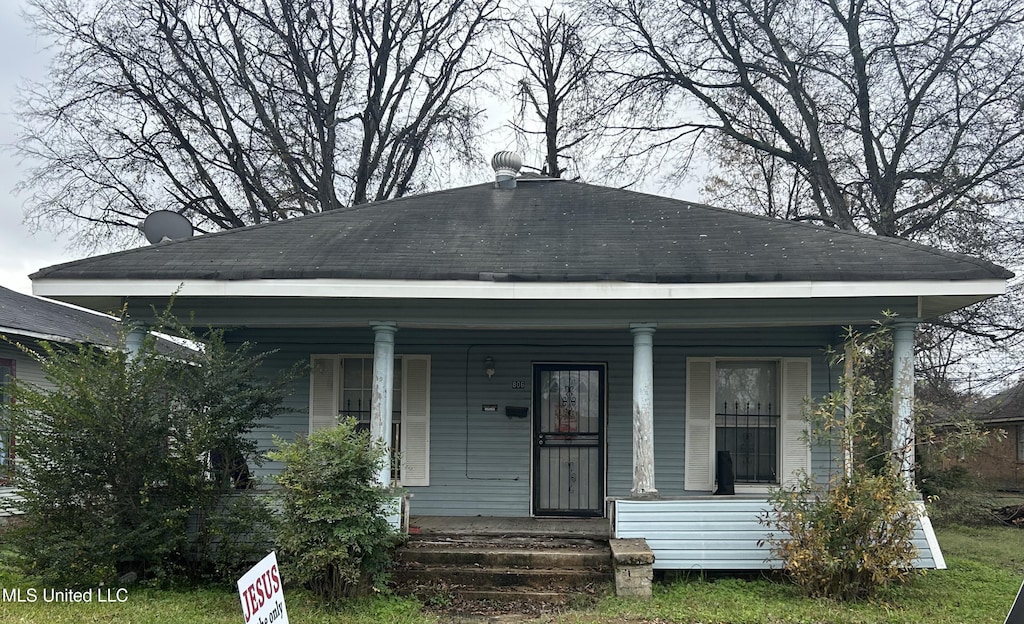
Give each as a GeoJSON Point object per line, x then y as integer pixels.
{"type": "Point", "coordinates": [27, 320]}
{"type": "Point", "coordinates": [534, 347]}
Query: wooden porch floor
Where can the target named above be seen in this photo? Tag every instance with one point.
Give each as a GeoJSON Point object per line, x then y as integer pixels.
{"type": "Point", "coordinates": [589, 528]}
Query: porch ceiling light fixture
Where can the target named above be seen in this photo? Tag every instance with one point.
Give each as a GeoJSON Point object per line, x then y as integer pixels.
{"type": "Point", "coordinates": [489, 367]}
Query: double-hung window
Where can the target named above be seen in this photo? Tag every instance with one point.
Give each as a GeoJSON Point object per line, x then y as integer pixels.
{"type": "Point", "coordinates": [1020, 443]}
{"type": "Point", "coordinates": [747, 418]}
{"type": "Point", "coordinates": [752, 409]}
{"type": "Point", "coordinates": [341, 386]}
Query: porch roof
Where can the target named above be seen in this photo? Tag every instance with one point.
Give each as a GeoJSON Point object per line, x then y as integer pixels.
{"type": "Point", "coordinates": [543, 239]}
{"type": "Point", "coordinates": [24, 315]}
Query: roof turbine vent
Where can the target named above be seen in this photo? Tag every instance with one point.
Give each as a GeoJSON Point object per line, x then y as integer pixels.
{"type": "Point", "coordinates": [506, 167]}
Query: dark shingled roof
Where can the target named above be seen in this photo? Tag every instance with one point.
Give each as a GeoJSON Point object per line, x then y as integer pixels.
{"type": "Point", "coordinates": [1008, 405]}
{"type": "Point", "coordinates": [37, 317]}
{"type": "Point", "coordinates": [543, 230]}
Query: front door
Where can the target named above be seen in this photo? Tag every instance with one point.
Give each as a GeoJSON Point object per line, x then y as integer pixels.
{"type": "Point", "coordinates": [568, 439]}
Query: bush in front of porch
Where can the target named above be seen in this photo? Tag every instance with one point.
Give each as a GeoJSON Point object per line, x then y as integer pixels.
{"type": "Point", "coordinates": [852, 536]}
{"type": "Point", "coordinates": [333, 535]}
{"type": "Point", "coordinates": [113, 459]}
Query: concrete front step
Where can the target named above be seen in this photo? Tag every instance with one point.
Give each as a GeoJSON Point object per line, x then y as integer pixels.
{"type": "Point", "coordinates": [494, 577]}
{"type": "Point", "coordinates": [545, 570]}
{"type": "Point", "coordinates": [434, 554]}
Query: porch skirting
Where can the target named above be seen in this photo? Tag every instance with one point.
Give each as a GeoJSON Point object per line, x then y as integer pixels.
{"type": "Point", "coordinates": [718, 533]}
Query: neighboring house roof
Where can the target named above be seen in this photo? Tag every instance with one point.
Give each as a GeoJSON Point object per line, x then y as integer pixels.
{"type": "Point", "coordinates": [1007, 406]}
{"type": "Point", "coordinates": [541, 231]}
{"type": "Point", "coordinates": [24, 315]}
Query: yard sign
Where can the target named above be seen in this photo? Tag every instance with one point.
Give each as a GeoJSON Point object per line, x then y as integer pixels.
{"type": "Point", "coordinates": [262, 593]}
{"type": "Point", "coordinates": [1016, 615]}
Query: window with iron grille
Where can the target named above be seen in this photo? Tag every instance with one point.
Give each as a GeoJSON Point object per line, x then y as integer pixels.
{"type": "Point", "coordinates": [357, 394]}
{"type": "Point", "coordinates": [747, 418]}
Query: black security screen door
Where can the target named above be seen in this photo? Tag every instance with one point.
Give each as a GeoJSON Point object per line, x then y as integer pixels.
{"type": "Point", "coordinates": [568, 449]}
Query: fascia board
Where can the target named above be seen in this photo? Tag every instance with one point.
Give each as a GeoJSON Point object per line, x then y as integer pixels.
{"type": "Point", "coordinates": [442, 289]}
{"type": "Point", "coordinates": [14, 331]}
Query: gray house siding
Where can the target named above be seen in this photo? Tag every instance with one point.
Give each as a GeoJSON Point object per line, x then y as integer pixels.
{"type": "Point", "coordinates": [480, 462]}
{"type": "Point", "coordinates": [26, 370]}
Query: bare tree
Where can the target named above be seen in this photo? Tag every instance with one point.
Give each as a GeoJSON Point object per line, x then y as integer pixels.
{"type": "Point", "coordinates": [899, 116]}
{"type": "Point", "coordinates": [561, 70]}
{"type": "Point", "coordinates": [235, 112]}
{"type": "Point", "coordinates": [901, 119]}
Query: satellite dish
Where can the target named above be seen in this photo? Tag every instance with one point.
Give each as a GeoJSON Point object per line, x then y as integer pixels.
{"type": "Point", "coordinates": [164, 225]}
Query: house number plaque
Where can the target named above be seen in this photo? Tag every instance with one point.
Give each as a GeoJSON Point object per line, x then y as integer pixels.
{"type": "Point", "coordinates": [519, 385]}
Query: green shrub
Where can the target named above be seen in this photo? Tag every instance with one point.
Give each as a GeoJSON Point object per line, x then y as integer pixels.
{"type": "Point", "coordinates": [233, 535]}
{"type": "Point", "coordinates": [849, 540]}
{"type": "Point", "coordinates": [334, 536]}
{"type": "Point", "coordinates": [112, 458]}
{"type": "Point", "coordinates": [852, 536]}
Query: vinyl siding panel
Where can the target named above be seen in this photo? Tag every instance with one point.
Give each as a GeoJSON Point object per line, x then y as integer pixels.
{"type": "Point", "coordinates": [720, 533]}
{"type": "Point", "coordinates": [9, 500]}
{"type": "Point", "coordinates": [26, 370]}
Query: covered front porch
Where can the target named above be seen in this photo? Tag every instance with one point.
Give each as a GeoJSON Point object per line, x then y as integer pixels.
{"type": "Point", "coordinates": [558, 423]}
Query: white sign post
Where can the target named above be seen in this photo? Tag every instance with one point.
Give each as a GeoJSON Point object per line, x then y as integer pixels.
{"type": "Point", "coordinates": [262, 593]}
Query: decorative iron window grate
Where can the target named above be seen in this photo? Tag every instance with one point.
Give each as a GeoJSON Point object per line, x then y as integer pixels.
{"type": "Point", "coordinates": [750, 432]}
{"type": "Point", "coordinates": [355, 409]}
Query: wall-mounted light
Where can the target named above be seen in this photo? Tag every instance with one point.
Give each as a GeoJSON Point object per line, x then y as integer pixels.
{"type": "Point", "coordinates": [489, 367]}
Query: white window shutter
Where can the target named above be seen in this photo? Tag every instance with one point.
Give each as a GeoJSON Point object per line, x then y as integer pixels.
{"type": "Point", "coordinates": [415, 460]}
{"type": "Point", "coordinates": [796, 388]}
{"type": "Point", "coordinates": [323, 392]}
{"type": "Point", "coordinates": [700, 421]}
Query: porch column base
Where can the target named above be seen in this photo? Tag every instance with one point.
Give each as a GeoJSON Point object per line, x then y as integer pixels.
{"type": "Point", "coordinates": [648, 495]}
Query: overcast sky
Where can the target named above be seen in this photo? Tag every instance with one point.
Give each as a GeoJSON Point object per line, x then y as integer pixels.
{"type": "Point", "coordinates": [22, 252]}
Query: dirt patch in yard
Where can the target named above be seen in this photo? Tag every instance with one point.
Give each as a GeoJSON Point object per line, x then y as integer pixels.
{"type": "Point", "coordinates": [453, 608]}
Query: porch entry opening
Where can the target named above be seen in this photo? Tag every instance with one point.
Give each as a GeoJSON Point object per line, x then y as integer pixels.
{"type": "Point", "coordinates": [568, 449]}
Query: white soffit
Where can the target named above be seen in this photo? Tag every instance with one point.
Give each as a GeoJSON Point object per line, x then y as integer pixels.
{"type": "Point", "coordinates": [443, 289]}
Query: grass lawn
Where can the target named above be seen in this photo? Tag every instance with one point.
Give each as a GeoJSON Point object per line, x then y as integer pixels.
{"type": "Point", "coordinates": [986, 566]}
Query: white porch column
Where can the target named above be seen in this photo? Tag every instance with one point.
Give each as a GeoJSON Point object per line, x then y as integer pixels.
{"type": "Point", "coordinates": [903, 399]}
{"type": "Point", "coordinates": [848, 356]}
{"type": "Point", "coordinates": [133, 339]}
{"type": "Point", "coordinates": [383, 384]}
{"type": "Point", "coordinates": [643, 409]}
